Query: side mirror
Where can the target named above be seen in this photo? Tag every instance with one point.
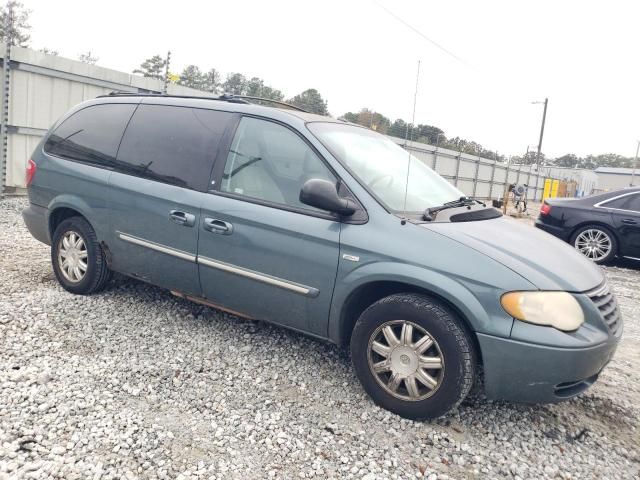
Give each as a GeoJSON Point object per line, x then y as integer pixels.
{"type": "Point", "coordinates": [323, 194]}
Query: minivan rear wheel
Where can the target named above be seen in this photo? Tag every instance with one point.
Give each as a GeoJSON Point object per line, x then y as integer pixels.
{"type": "Point", "coordinates": [413, 356]}
{"type": "Point", "coordinates": [77, 258]}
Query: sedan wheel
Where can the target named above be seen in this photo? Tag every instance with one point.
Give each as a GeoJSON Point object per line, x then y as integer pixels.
{"type": "Point", "coordinates": [594, 243]}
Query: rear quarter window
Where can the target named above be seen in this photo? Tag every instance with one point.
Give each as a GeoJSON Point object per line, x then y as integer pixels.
{"type": "Point", "coordinates": [175, 145]}
{"type": "Point", "coordinates": [628, 202]}
{"type": "Point", "coordinates": [91, 135]}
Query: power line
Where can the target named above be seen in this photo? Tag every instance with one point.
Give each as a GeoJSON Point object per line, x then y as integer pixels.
{"type": "Point", "coordinates": [415, 30]}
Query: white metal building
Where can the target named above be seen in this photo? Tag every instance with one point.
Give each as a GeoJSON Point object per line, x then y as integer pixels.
{"type": "Point", "coordinates": [610, 178]}
{"type": "Point", "coordinates": [586, 180]}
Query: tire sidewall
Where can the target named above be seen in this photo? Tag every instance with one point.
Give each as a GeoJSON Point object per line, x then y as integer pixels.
{"type": "Point", "coordinates": [83, 229]}
{"type": "Point", "coordinates": [614, 243]}
{"type": "Point", "coordinates": [440, 323]}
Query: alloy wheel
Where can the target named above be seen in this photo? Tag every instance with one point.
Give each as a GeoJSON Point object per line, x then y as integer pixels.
{"type": "Point", "coordinates": [594, 244]}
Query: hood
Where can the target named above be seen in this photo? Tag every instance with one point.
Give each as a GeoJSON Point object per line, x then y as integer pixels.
{"type": "Point", "coordinates": [543, 260]}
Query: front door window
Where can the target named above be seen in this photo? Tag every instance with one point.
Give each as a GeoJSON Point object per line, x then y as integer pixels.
{"type": "Point", "coordinates": [270, 162]}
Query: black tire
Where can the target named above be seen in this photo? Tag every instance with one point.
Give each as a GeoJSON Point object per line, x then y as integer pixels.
{"type": "Point", "coordinates": [97, 273]}
{"type": "Point", "coordinates": [451, 339]}
{"type": "Point", "coordinates": [614, 243]}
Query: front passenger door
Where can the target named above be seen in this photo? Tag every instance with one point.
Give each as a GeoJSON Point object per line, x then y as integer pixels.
{"type": "Point", "coordinates": [261, 252]}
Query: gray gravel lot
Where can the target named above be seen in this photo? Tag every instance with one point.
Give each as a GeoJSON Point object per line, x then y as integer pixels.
{"type": "Point", "coordinates": [135, 383]}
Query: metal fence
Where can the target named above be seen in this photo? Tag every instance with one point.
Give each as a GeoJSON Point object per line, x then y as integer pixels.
{"type": "Point", "coordinates": [36, 89]}
{"type": "Point", "coordinates": [474, 175]}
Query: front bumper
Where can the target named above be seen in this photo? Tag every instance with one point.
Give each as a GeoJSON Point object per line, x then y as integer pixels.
{"type": "Point", "coordinates": [36, 220]}
{"type": "Point", "coordinates": [530, 373]}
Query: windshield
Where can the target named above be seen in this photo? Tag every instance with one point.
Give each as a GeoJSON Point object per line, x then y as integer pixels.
{"type": "Point", "coordinates": [381, 165]}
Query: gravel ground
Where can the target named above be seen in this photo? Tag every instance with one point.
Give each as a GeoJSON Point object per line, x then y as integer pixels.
{"type": "Point", "coordinates": [135, 383]}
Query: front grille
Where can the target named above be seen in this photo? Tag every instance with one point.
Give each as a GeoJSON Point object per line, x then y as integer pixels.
{"type": "Point", "coordinates": [607, 305]}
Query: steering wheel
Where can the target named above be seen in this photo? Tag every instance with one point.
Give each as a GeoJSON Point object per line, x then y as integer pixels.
{"type": "Point", "coordinates": [379, 178]}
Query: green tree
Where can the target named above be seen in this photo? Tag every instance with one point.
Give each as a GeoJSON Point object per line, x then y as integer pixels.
{"type": "Point", "coordinates": [588, 162]}
{"type": "Point", "coordinates": [192, 77]}
{"type": "Point", "coordinates": [398, 128]}
{"type": "Point", "coordinates": [429, 134]}
{"type": "Point", "coordinates": [48, 51]}
{"type": "Point", "coordinates": [235, 84]}
{"type": "Point", "coordinates": [152, 67]}
{"type": "Point", "coordinates": [257, 88]}
{"type": "Point", "coordinates": [87, 58]}
{"type": "Point", "coordinates": [310, 100]}
{"type": "Point", "coordinates": [569, 160]}
{"type": "Point", "coordinates": [350, 117]}
{"type": "Point", "coordinates": [610, 160]}
{"type": "Point", "coordinates": [368, 118]}
{"type": "Point", "coordinates": [212, 81]}
{"type": "Point", "coordinates": [18, 29]}
{"type": "Point", "coordinates": [529, 158]}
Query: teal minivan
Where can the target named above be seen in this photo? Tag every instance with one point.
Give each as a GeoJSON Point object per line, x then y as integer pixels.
{"type": "Point", "coordinates": [310, 223]}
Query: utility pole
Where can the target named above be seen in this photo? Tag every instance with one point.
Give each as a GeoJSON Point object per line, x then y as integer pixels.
{"type": "Point", "coordinates": [505, 195]}
{"type": "Point", "coordinates": [544, 118]}
{"type": "Point", "coordinates": [4, 102]}
{"type": "Point", "coordinates": [635, 164]}
{"type": "Point", "coordinates": [166, 72]}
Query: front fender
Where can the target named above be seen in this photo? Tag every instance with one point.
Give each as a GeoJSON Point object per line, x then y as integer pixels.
{"type": "Point", "coordinates": [478, 303]}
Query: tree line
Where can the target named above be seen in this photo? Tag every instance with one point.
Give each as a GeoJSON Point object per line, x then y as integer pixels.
{"type": "Point", "coordinates": [418, 133]}
{"type": "Point", "coordinates": [436, 136]}
{"type": "Point", "coordinates": [234, 83]}
{"type": "Point", "coordinates": [15, 29]}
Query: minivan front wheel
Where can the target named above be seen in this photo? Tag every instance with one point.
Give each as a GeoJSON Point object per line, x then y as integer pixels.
{"type": "Point", "coordinates": [77, 258]}
{"type": "Point", "coordinates": [413, 356]}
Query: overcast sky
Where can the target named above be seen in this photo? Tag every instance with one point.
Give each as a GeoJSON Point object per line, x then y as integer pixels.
{"type": "Point", "coordinates": [583, 55]}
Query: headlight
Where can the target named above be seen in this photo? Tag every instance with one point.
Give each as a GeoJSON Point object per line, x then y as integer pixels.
{"type": "Point", "coordinates": [556, 309]}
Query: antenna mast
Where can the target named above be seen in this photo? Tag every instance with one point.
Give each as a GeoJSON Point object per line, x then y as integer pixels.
{"type": "Point", "coordinates": [406, 137]}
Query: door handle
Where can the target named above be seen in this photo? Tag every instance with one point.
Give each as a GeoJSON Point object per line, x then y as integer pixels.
{"type": "Point", "coordinates": [218, 226]}
{"type": "Point", "coordinates": [182, 218]}
{"type": "Point", "coordinates": [628, 221]}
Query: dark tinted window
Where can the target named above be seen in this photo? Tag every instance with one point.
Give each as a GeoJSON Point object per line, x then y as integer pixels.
{"type": "Point", "coordinates": [174, 145]}
{"type": "Point", "coordinates": [92, 134]}
{"type": "Point", "coordinates": [630, 202]}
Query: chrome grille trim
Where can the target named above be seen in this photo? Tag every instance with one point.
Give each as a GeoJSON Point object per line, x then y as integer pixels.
{"type": "Point", "coordinates": [607, 305]}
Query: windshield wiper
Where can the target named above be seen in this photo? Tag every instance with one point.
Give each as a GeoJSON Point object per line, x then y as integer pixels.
{"type": "Point", "coordinates": [460, 202]}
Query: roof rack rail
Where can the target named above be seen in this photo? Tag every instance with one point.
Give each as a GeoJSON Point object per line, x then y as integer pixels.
{"type": "Point", "coordinates": [269, 100]}
{"type": "Point", "coordinates": [226, 97]}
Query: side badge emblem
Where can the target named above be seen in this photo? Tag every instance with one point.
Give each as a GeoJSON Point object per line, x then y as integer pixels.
{"type": "Point", "coordinates": [351, 258]}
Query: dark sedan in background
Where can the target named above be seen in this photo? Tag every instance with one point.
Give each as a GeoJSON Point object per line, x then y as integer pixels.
{"type": "Point", "coordinates": [600, 226]}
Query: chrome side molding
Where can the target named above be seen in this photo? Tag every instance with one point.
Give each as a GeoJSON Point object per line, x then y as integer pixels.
{"type": "Point", "coordinates": [226, 267]}
{"type": "Point", "coordinates": [157, 247]}
{"type": "Point", "coordinates": [260, 277]}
